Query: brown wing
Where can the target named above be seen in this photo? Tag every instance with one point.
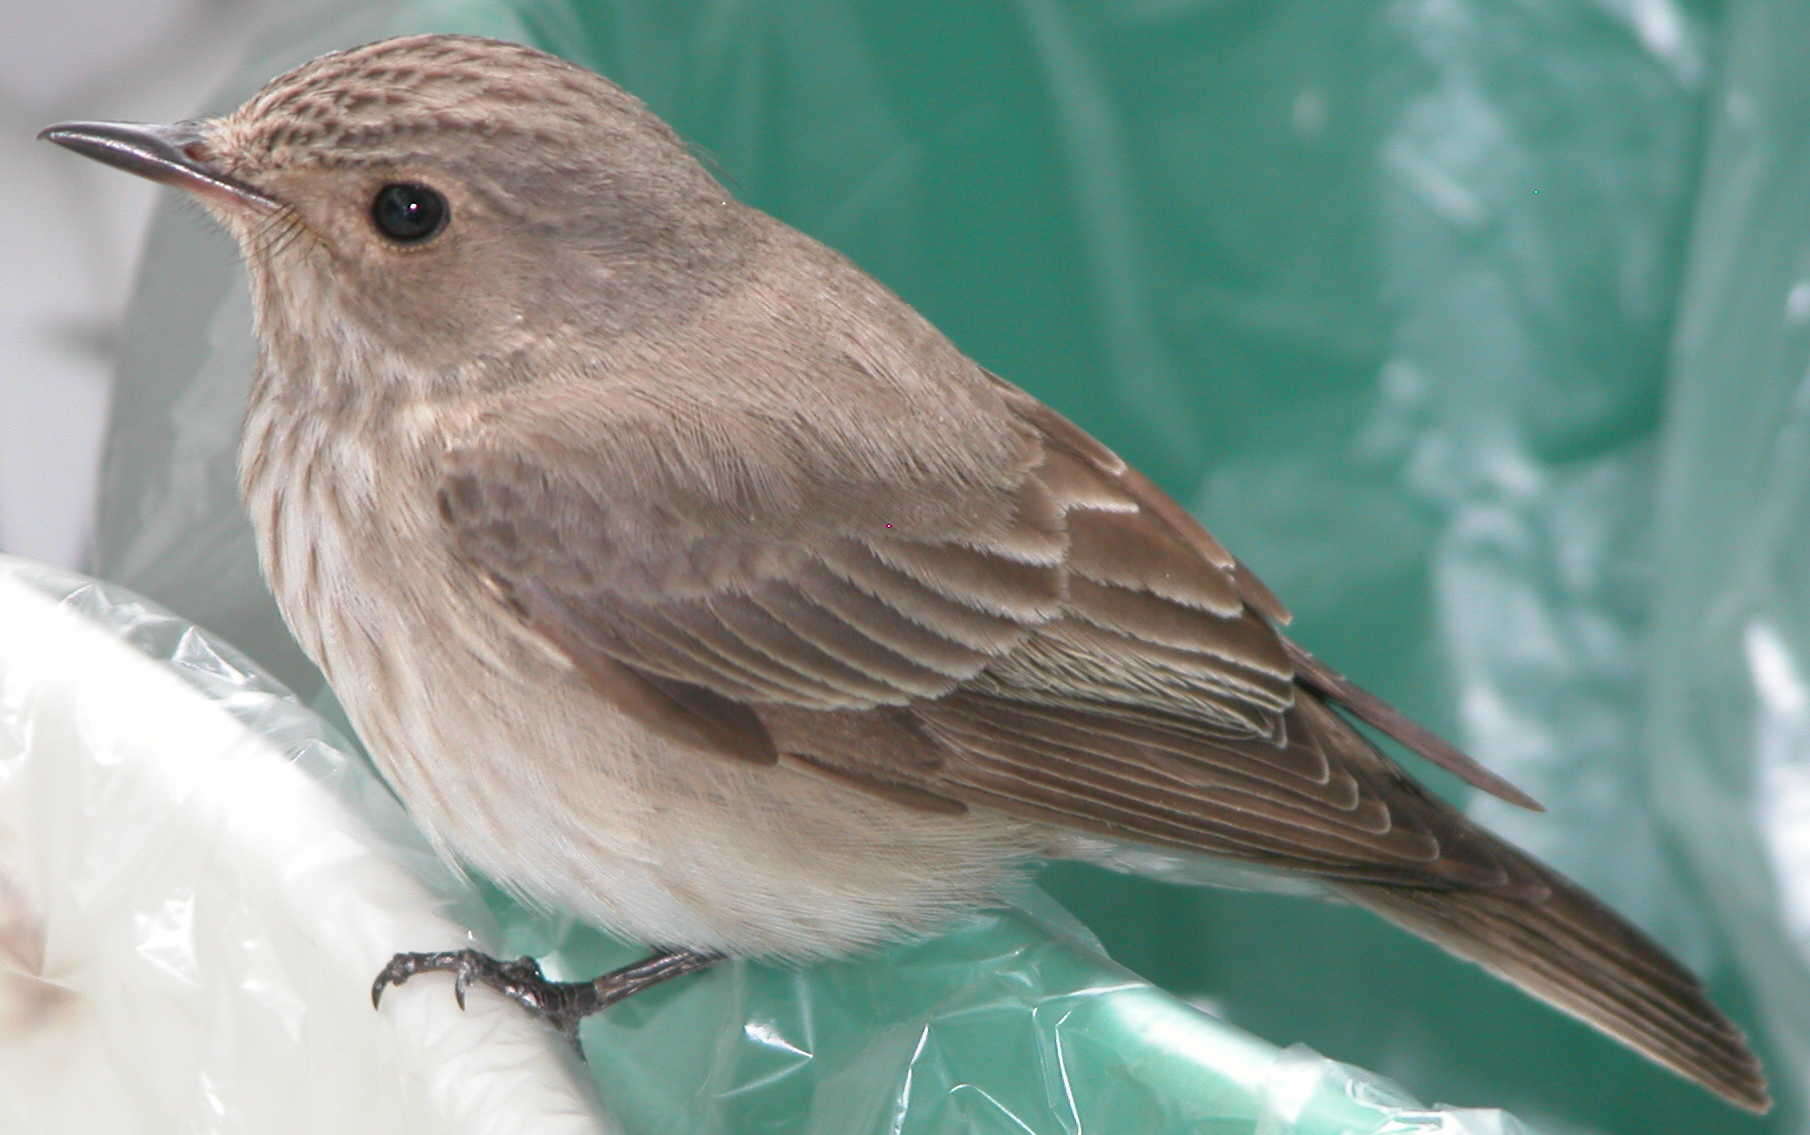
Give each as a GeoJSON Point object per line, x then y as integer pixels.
{"type": "Point", "coordinates": [1059, 640]}
{"type": "Point", "coordinates": [1053, 639]}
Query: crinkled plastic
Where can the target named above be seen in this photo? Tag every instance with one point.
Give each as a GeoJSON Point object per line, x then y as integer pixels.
{"type": "Point", "coordinates": [200, 882]}
{"type": "Point", "coordinates": [197, 884]}
{"type": "Point", "coordinates": [1475, 327]}
{"type": "Point", "coordinates": [1729, 734]}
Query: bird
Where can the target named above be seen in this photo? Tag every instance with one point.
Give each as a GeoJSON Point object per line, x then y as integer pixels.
{"type": "Point", "coordinates": [678, 574]}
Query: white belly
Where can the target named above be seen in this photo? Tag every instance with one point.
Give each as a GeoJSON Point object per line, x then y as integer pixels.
{"type": "Point", "coordinates": [532, 778]}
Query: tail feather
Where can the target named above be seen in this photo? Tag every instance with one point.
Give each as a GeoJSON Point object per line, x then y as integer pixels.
{"type": "Point", "coordinates": [1580, 957]}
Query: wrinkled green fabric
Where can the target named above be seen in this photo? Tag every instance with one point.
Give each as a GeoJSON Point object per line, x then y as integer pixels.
{"type": "Point", "coordinates": [1474, 327]}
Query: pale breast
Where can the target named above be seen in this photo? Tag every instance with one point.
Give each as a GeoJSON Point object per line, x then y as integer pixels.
{"type": "Point", "coordinates": [513, 764]}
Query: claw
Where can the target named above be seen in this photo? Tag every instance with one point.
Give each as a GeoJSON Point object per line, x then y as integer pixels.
{"type": "Point", "coordinates": [561, 1004]}
{"type": "Point", "coordinates": [395, 973]}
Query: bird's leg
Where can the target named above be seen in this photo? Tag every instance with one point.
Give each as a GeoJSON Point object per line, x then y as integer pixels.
{"type": "Point", "coordinates": [561, 1004]}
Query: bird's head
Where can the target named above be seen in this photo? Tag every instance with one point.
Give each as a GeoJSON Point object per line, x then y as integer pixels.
{"type": "Point", "coordinates": [444, 200]}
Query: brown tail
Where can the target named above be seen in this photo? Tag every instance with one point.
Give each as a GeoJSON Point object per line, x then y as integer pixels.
{"type": "Point", "coordinates": [1579, 956]}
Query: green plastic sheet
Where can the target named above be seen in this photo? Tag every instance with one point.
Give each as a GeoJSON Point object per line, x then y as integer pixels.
{"type": "Point", "coordinates": [1477, 328]}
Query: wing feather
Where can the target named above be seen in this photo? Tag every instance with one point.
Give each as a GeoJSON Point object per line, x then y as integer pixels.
{"type": "Point", "coordinates": [1007, 618]}
{"type": "Point", "coordinates": [1068, 645]}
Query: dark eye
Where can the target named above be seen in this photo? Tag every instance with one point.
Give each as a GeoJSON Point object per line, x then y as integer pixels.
{"type": "Point", "coordinates": [408, 213]}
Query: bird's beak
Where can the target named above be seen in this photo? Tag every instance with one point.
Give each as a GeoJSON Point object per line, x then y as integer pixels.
{"type": "Point", "coordinates": [173, 155]}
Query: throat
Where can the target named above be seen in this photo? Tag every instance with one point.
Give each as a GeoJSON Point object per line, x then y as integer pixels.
{"type": "Point", "coordinates": [328, 490]}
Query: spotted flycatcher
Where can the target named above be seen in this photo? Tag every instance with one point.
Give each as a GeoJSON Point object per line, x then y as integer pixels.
{"type": "Point", "coordinates": [678, 574]}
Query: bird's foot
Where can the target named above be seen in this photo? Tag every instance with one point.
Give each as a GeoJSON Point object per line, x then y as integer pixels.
{"type": "Point", "coordinates": [562, 1004]}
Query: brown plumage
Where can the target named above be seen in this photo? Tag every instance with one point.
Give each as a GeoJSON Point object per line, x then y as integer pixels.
{"type": "Point", "coordinates": [678, 573]}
